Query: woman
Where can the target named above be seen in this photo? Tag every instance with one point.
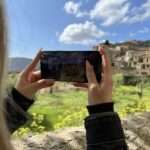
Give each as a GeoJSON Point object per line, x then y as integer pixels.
{"type": "Point", "coordinates": [16, 104]}
{"type": "Point", "coordinates": [103, 126]}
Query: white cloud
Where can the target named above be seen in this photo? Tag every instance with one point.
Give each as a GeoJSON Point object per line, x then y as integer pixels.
{"type": "Point", "coordinates": [131, 34]}
{"type": "Point", "coordinates": [110, 11]}
{"type": "Point", "coordinates": [141, 31]}
{"type": "Point", "coordinates": [71, 7]}
{"type": "Point", "coordinates": [120, 11]}
{"type": "Point", "coordinates": [81, 14]}
{"type": "Point", "coordinates": [82, 33]}
{"type": "Point", "coordinates": [138, 14]}
{"type": "Point", "coordinates": [146, 7]}
{"type": "Point", "coordinates": [144, 30]}
{"type": "Point", "coordinates": [114, 34]}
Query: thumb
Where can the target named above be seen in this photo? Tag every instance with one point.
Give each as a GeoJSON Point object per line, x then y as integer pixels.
{"type": "Point", "coordinates": [43, 83]}
{"type": "Point", "coordinates": [90, 73]}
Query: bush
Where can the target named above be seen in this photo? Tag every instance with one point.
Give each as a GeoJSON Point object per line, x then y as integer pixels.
{"type": "Point", "coordinates": [71, 119]}
{"type": "Point", "coordinates": [39, 123]}
{"type": "Point", "coordinates": [131, 80]}
{"type": "Point", "coordinates": [118, 79]}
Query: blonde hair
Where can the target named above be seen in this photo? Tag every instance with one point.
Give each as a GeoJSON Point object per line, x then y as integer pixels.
{"type": "Point", "coordinates": [4, 135]}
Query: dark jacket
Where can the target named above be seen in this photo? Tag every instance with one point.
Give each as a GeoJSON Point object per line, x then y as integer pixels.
{"type": "Point", "coordinates": [16, 110]}
{"type": "Point", "coordinates": [103, 125]}
{"type": "Point", "coordinates": [103, 129]}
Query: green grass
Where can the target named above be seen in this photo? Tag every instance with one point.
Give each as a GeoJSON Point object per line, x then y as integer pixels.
{"type": "Point", "coordinates": [68, 108]}
{"type": "Point", "coordinates": [59, 106]}
{"type": "Point", "coordinates": [56, 107]}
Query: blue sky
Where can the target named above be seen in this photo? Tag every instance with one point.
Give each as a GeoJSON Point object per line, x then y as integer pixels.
{"type": "Point", "coordinates": [73, 24]}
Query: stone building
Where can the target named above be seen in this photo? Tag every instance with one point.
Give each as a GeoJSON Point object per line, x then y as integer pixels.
{"type": "Point", "coordinates": [137, 62]}
{"type": "Point", "coordinates": [114, 55]}
{"type": "Point", "coordinates": [132, 62]}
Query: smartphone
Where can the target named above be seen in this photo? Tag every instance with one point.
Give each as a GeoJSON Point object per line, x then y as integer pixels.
{"type": "Point", "coordinates": [69, 66]}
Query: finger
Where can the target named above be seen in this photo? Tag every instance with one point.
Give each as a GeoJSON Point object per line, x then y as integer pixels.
{"type": "Point", "coordinates": [82, 85]}
{"type": "Point", "coordinates": [102, 78]}
{"type": "Point", "coordinates": [43, 83]}
{"type": "Point", "coordinates": [106, 66]}
{"type": "Point", "coordinates": [33, 64]}
{"type": "Point", "coordinates": [34, 76]}
{"type": "Point", "coordinates": [106, 61]}
{"type": "Point", "coordinates": [90, 73]}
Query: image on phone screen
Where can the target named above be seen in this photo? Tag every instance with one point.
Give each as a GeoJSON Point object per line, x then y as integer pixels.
{"type": "Point", "coordinates": [69, 66]}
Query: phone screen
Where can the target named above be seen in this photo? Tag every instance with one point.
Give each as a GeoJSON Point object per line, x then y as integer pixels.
{"type": "Point", "coordinates": [69, 66]}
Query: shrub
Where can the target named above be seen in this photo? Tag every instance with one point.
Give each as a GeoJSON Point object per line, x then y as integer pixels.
{"type": "Point", "coordinates": [39, 123]}
{"type": "Point", "coordinates": [131, 80]}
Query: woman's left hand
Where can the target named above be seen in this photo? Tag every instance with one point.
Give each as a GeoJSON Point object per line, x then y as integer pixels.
{"type": "Point", "coordinates": [29, 80]}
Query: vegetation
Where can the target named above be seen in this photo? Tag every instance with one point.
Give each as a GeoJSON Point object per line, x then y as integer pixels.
{"type": "Point", "coordinates": [67, 108]}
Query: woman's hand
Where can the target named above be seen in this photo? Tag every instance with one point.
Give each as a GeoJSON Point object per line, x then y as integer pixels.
{"type": "Point", "coordinates": [29, 80]}
{"type": "Point", "coordinates": [99, 93]}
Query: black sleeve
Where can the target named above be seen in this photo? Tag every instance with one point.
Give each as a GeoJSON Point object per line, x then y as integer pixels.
{"type": "Point", "coordinates": [103, 129]}
{"type": "Point", "coordinates": [16, 106]}
{"type": "Point", "coordinates": [21, 100]}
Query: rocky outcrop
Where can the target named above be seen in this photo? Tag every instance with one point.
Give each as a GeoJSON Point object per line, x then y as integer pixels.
{"type": "Point", "coordinates": [136, 127]}
{"type": "Point", "coordinates": [137, 130]}
{"type": "Point", "coordinates": [67, 139]}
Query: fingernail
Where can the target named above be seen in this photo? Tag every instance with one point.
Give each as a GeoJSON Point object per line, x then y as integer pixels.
{"type": "Point", "coordinates": [89, 65]}
{"type": "Point", "coordinates": [41, 49]}
{"type": "Point", "coordinates": [87, 62]}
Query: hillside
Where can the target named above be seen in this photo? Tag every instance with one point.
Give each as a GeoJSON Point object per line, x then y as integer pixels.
{"type": "Point", "coordinates": [17, 64]}
{"type": "Point", "coordinates": [134, 43]}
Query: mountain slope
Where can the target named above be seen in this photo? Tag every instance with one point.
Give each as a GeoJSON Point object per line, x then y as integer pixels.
{"type": "Point", "coordinates": [17, 64]}
{"type": "Point", "coordinates": [135, 43]}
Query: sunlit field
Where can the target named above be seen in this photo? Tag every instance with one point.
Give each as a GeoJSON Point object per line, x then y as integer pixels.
{"type": "Point", "coordinates": [67, 107]}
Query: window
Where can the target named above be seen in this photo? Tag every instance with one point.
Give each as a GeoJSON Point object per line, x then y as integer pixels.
{"type": "Point", "coordinates": [144, 73]}
{"type": "Point", "coordinates": [113, 64]}
{"type": "Point", "coordinates": [143, 66]}
{"type": "Point", "coordinates": [140, 60]}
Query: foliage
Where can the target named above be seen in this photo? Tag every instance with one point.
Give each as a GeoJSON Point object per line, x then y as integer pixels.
{"type": "Point", "coordinates": [67, 108]}
{"type": "Point", "coordinates": [71, 119]}
{"type": "Point", "coordinates": [11, 79]}
{"type": "Point", "coordinates": [131, 80]}
{"type": "Point", "coordinates": [36, 125]}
